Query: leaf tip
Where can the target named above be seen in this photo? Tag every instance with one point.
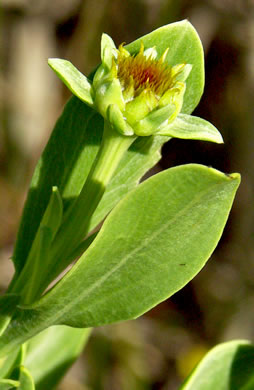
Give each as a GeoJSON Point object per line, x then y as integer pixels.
{"type": "Point", "coordinates": [219, 139]}
{"type": "Point", "coordinates": [51, 61]}
{"type": "Point", "coordinates": [235, 176]}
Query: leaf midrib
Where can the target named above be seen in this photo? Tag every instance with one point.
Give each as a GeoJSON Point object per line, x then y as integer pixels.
{"type": "Point", "coordinates": [121, 263]}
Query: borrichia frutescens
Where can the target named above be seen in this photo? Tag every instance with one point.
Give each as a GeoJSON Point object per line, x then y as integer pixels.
{"type": "Point", "coordinates": [139, 94]}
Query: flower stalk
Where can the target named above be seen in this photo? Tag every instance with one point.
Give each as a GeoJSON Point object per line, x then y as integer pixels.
{"type": "Point", "coordinates": [75, 225]}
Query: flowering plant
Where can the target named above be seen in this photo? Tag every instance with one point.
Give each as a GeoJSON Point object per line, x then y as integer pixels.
{"type": "Point", "coordinates": [156, 236]}
{"type": "Point", "coordinates": [139, 94]}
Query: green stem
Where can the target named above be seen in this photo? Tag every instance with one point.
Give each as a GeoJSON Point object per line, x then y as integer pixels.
{"type": "Point", "coordinates": [76, 222]}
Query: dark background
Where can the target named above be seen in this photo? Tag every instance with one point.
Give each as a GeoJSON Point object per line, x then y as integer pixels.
{"type": "Point", "coordinates": [158, 350]}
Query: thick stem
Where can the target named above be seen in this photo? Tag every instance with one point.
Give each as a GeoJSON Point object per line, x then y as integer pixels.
{"type": "Point", "coordinates": [76, 222]}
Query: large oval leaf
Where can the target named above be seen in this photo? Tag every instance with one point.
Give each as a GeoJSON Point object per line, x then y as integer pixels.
{"type": "Point", "coordinates": [153, 243]}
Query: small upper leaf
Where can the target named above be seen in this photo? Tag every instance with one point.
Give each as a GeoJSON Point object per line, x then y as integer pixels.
{"type": "Point", "coordinates": [73, 79]}
{"type": "Point", "coordinates": [191, 127]}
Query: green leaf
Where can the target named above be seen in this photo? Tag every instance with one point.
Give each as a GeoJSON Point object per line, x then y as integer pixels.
{"type": "Point", "coordinates": [8, 384]}
{"type": "Point", "coordinates": [65, 163]}
{"type": "Point", "coordinates": [116, 119]}
{"type": "Point", "coordinates": [8, 304]}
{"type": "Point", "coordinates": [8, 363]}
{"type": "Point", "coordinates": [107, 50]}
{"type": "Point", "coordinates": [25, 379]}
{"type": "Point", "coordinates": [228, 366]}
{"type": "Point", "coordinates": [82, 247]}
{"type": "Point", "coordinates": [154, 120]}
{"type": "Point", "coordinates": [37, 262]}
{"type": "Point", "coordinates": [192, 127]}
{"type": "Point", "coordinates": [73, 79]}
{"type": "Point", "coordinates": [52, 352]}
{"type": "Point", "coordinates": [12, 372]}
{"type": "Point", "coordinates": [52, 217]}
{"type": "Point", "coordinates": [184, 48]}
{"type": "Point", "coordinates": [36, 266]}
{"type": "Point", "coordinates": [123, 273]}
{"type": "Point", "coordinates": [15, 368]}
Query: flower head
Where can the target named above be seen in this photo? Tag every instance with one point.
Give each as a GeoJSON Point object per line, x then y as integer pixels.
{"type": "Point", "coordinates": [139, 94]}
{"type": "Point", "coordinates": [143, 72]}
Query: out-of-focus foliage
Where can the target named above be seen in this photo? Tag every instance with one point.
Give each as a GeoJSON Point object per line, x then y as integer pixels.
{"type": "Point", "coordinates": [156, 351]}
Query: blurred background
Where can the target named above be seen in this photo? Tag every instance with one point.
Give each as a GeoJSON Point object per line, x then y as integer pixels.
{"type": "Point", "coordinates": [158, 350]}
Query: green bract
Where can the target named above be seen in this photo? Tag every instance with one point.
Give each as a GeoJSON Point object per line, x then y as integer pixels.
{"type": "Point", "coordinates": [139, 94]}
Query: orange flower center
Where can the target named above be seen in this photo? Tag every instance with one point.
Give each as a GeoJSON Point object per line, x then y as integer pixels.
{"type": "Point", "coordinates": [144, 73]}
